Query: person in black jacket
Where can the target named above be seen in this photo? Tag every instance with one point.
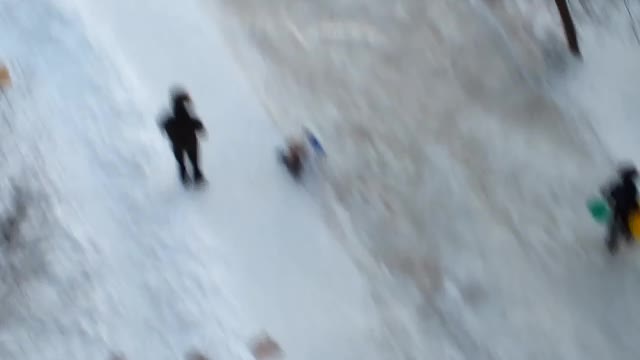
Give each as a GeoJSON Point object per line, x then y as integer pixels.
{"type": "Point", "coordinates": [623, 197]}
{"type": "Point", "coordinates": [183, 128]}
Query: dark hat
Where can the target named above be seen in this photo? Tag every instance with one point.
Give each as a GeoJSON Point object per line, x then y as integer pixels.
{"type": "Point", "coordinates": [179, 94]}
{"type": "Point", "coordinates": [628, 171]}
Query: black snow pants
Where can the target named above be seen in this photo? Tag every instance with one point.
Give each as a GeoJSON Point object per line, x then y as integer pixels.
{"type": "Point", "coordinates": [191, 150]}
{"type": "Point", "coordinates": [619, 226]}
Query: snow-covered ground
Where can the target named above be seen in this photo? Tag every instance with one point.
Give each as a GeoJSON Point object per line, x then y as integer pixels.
{"type": "Point", "coordinates": [144, 267]}
{"type": "Point", "coordinates": [462, 146]}
{"type": "Point", "coordinates": [606, 88]}
{"type": "Point", "coordinates": [464, 155]}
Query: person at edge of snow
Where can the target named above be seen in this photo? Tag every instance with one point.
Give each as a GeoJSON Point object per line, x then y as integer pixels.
{"type": "Point", "coordinates": [183, 128]}
{"type": "Point", "coordinates": [622, 196]}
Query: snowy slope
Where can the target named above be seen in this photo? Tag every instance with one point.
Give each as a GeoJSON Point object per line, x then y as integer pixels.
{"type": "Point", "coordinates": [465, 176]}
{"type": "Point", "coordinates": [468, 199]}
{"type": "Point", "coordinates": [149, 269]}
{"type": "Point", "coordinates": [606, 89]}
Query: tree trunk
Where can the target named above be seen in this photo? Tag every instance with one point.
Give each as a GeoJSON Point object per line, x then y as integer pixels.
{"type": "Point", "coordinates": [569, 27]}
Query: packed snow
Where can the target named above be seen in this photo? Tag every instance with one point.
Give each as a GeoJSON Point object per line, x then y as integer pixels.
{"type": "Point", "coordinates": [148, 269]}
{"type": "Point", "coordinates": [464, 157]}
{"type": "Point", "coordinates": [448, 222]}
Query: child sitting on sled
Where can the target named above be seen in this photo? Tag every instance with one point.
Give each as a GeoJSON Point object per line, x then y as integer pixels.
{"type": "Point", "coordinates": [298, 151]}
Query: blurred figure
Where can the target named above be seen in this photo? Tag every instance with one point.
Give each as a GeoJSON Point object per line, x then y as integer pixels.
{"type": "Point", "coordinates": [183, 129]}
{"type": "Point", "coordinates": [294, 157]}
{"type": "Point", "coordinates": [623, 198]}
{"type": "Point", "coordinates": [298, 151]}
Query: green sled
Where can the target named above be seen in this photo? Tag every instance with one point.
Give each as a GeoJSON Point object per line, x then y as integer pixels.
{"type": "Point", "coordinates": [600, 210]}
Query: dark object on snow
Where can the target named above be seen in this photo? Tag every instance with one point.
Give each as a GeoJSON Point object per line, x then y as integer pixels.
{"type": "Point", "coordinates": [569, 27]}
{"type": "Point", "coordinates": [293, 158]}
{"type": "Point", "coordinates": [623, 197]}
{"type": "Point", "coordinates": [183, 128]}
{"type": "Point", "coordinates": [195, 355]}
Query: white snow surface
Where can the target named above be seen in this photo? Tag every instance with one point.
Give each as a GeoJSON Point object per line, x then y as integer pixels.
{"type": "Point", "coordinates": [149, 269]}
{"type": "Point", "coordinates": [130, 262]}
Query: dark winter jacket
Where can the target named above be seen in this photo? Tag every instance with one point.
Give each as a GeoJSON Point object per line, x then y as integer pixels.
{"type": "Point", "coordinates": [624, 196]}
{"type": "Point", "coordinates": [181, 127]}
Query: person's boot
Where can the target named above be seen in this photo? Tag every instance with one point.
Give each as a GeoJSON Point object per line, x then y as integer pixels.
{"type": "Point", "coordinates": [198, 177]}
{"type": "Point", "coordinates": [184, 176]}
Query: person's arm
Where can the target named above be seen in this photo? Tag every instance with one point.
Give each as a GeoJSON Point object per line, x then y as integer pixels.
{"type": "Point", "coordinates": [163, 123]}
{"type": "Point", "coordinates": [199, 128]}
{"type": "Point", "coordinates": [607, 192]}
